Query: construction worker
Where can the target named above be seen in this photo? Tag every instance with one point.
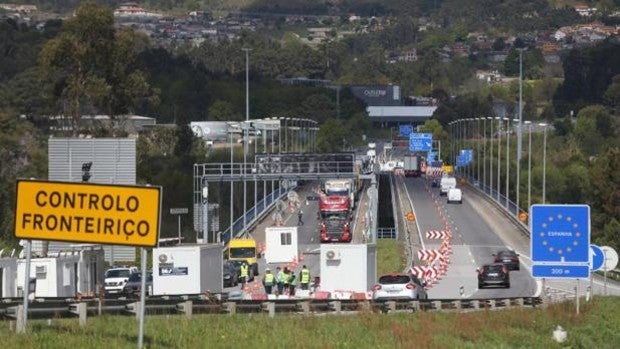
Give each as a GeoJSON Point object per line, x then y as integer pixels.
{"type": "Point", "coordinates": [304, 278]}
{"type": "Point", "coordinates": [285, 276]}
{"type": "Point", "coordinates": [300, 215]}
{"type": "Point", "coordinates": [292, 282]}
{"type": "Point", "coordinates": [280, 280]}
{"type": "Point", "coordinates": [268, 281]}
{"type": "Point", "coordinates": [243, 274]}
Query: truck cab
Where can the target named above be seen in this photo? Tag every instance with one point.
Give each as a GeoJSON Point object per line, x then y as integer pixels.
{"type": "Point", "coordinates": [335, 215]}
{"type": "Point", "coordinates": [243, 250]}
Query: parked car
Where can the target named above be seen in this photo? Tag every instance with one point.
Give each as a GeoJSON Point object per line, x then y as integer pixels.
{"type": "Point", "coordinates": [508, 258]}
{"type": "Point", "coordinates": [116, 278]}
{"type": "Point", "coordinates": [134, 284]}
{"type": "Point", "coordinates": [495, 274]}
{"type": "Point", "coordinates": [230, 274]}
{"type": "Point", "coordinates": [398, 286]}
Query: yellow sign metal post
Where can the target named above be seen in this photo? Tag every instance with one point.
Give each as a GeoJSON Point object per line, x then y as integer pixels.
{"type": "Point", "coordinates": [88, 213]}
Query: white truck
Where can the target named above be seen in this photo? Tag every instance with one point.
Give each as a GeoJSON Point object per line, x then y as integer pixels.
{"type": "Point", "coordinates": [446, 184]}
{"type": "Point", "coordinates": [341, 187]}
{"type": "Point", "coordinates": [412, 165]}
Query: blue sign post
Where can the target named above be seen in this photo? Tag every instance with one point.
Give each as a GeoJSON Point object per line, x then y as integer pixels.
{"type": "Point", "coordinates": [405, 130]}
{"type": "Point", "coordinates": [598, 257]}
{"type": "Point", "coordinates": [421, 142]}
{"type": "Point", "coordinates": [560, 241]}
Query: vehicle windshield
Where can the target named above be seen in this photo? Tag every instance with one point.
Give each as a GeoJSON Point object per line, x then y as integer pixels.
{"type": "Point", "coordinates": [334, 214]}
{"type": "Point", "coordinates": [506, 254]}
{"type": "Point", "coordinates": [243, 252]}
{"type": "Point", "coordinates": [493, 268]}
{"type": "Point", "coordinates": [135, 277]}
{"type": "Point", "coordinates": [117, 273]}
{"type": "Point", "coordinates": [337, 192]}
{"type": "Point", "coordinates": [394, 279]}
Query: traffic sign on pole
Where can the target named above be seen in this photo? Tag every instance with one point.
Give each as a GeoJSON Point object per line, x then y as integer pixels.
{"type": "Point", "coordinates": [420, 141]}
{"type": "Point", "coordinates": [405, 130]}
{"type": "Point", "coordinates": [598, 257]}
{"type": "Point", "coordinates": [611, 258]}
{"type": "Point", "coordinates": [560, 241]}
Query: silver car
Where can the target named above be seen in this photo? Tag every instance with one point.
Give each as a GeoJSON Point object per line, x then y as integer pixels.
{"type": "Point", "coordinates": [398, 286]}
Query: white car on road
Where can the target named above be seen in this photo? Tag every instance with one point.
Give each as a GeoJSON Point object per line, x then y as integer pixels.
{"type": "Point", "coordinates": [455, 195]}
{"type": "Point", "coordinates": [116, 278]}
{"type": "Point", "coordinates": [398, 286]}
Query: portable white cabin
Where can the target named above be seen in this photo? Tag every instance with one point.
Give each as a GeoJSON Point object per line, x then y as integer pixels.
{"type": "Point", "coordinates": [348, 267]}
{"type": "Point", "coordinates": [187, 269]}
{"type": "Point", "coordinates": [8, 275]}
{"type": "Point", "coordinates": [280, 244]}
{"type": "Point", "coordinates": [56, 276]}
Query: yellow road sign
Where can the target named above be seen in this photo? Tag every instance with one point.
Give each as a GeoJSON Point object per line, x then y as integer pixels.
{"type": "Point", "coordinates": [90, 213]}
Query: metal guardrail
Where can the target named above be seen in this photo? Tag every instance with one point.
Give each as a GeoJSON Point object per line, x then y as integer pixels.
{"type": "Point", "coordinates": [289, 170]}
{"type": "Point", "coordinates": [386, 233]}
{"type": "Point", "coordinates": [255, 213]}
{"type": "Point", "coordinates": [55, 308]}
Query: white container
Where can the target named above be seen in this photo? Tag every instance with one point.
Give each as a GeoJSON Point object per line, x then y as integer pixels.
{"type": "Point", "coordinates": [55, 276]}
{"type": "Point", "coordinates": [348, 267]}
{"type": "Point", "coordinates": [187, 269]}
{"type": "Point", "coordinates": [280, 244]}
{"type": "Point", "coordinates": [8, 276]}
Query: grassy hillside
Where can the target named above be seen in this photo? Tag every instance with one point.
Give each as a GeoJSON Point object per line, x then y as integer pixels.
{"type": "Point", "coordinates": [596, 327]}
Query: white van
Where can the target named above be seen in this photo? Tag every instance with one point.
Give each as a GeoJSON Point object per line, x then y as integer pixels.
{"type": "Point", "coordinates": [455, 195]}
{"type": "Point", "coordinates": [446, 184]}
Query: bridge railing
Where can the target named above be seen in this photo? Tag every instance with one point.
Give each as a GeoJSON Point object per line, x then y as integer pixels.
{"type": "Point", "coordinates": [255, 213]}
{"type": "Point", "coordinates": [386, 233]}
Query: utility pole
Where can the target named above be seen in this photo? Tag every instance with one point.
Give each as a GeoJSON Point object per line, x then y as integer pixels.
{"type": "Point", "coordinates": [519, 129]}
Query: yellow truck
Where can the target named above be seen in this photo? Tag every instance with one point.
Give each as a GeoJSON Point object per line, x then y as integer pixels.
{"type": "Point", "coordinates": [243, 250]}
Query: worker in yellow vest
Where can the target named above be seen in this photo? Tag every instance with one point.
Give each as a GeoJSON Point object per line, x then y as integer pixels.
{"type": "Point", "coordinates": [268, 281]}
{"type": "Point", "coordinates": [243, 274]}
{"type": "Point", "coordinates": [304, 278]}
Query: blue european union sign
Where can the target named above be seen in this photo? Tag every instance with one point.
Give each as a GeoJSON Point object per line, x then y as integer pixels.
{"type": "Point", "coordinates": [420, 142]}
{"type": "Point", "coordinates": [560, 241]}
{"type": "Point", "coordinates": [405, 130]}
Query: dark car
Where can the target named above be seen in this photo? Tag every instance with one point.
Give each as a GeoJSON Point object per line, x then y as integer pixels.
{"type": "Point", "coordinates": [435, 183]}
{"type": "Point", "coordinates": [508, 258]}
{"type": "Point", "coordinates": [495, 274]}
{"type": "Point", "coordinates": [230, 274]}
{"type": "Point", "coordinates": [134, 283]}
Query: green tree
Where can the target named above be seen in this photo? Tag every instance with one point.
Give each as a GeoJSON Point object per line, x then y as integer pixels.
{"type": "Point", "coordinates": [612, 95]}
{"type": "Point", "coordinates": [223, 111]}
{"type": "Point", "coordinates": [331, 136]}
{"type": "Point", "coordinates": [92, 63]}
{"type": "Point", "coordinates": [433, 126]}
{"type": "Point", "coordinates": [594, 125]}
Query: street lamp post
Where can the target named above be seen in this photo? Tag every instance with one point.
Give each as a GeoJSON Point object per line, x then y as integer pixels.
{"type": "Point", "coordinates": [478, 148]}
{"type": "Point", "coordinates": [529, 165]}
{"type": "Point", "coordinates": [544, 181]}
{"type": "Point", "coordinates": [491, 158]}
{"type": "Point", "coordinates": [507, 162]}
{"type": "Point", "coordinates": [499, 156]}
{"type": "Point", "coordinates": [519, 128]}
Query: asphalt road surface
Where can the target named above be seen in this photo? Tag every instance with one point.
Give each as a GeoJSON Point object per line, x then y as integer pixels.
{"type": "Point", "coordinates": [473, 244]}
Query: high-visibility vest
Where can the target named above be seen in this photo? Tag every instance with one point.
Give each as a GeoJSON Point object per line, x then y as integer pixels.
{"type": "Point", "coordinates": [292, 280]}
{"type": "Point", "coordinates": [269, 279]}
{"type": "Point", "coordinates": [280, 277]}
{"type": "Point", "coordinates": [244, 270]}
{"type": "Point", "coordinates": [285, 278]}
{"type": "Point", "coordinates": [305, 276]}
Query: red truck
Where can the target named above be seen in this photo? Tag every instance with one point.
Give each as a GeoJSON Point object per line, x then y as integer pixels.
{"type": "Point", "coordinates": [335, 215]}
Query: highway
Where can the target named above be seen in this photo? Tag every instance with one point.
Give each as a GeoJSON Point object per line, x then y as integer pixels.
{"type": "Point", "coordinates": [474, 242]}
{"type": "Point", "coordinates": [307, 234]}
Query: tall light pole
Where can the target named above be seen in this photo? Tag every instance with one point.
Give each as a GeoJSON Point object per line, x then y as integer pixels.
{"type": "Point", "coordinates": [507, 162]}
{"type": "Point", "coordinates": [529, 165]}
{"type": "Point", "coordinates": [544, 182]}
{"type": "Point", "coordinates": [245, 132]}
{"type": "Point", "coordinates": [478, 149]}
{"type": "Point", "coordinates": [491, 158]}
{"type": "Point", "coordinates": [499, 156]}
{"type": "Point", "coordinates": [232, 183]}
{"type": "Point", "coordinates": [520, 128]}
